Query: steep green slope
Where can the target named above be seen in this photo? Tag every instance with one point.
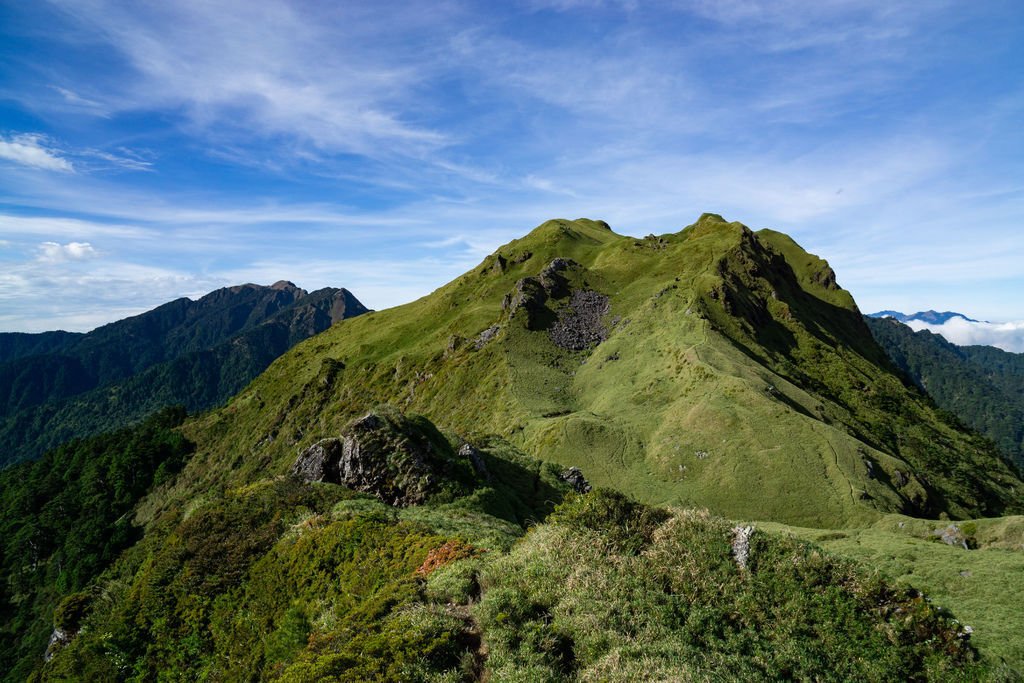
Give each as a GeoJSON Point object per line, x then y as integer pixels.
{"type": "Point", "coordinates": [195, 354]}
{"type": "Point", "coordinates": [982, 385]}
{"type": "Point", "coordinates": [712, 366]}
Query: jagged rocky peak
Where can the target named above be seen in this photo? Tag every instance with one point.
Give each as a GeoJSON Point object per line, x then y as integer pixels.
{"type": "Point", "coordinates": [287, 285]}
{"type": "Point", "coordinates": [345, 305]}
{"type": "Point", "coordinates": [403, 461]}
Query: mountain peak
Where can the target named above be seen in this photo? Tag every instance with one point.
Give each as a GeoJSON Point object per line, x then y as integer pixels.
{"type": "Point", "coordinates": [628, 363]}
{"type": "Point", "coordinates": [930, 317]}
{"type": "Point", "coordinates": [283, 284]}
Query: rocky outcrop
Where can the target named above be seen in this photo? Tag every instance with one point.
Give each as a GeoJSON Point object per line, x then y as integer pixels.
{"type": "Point", "coordinates": [953, 535]}
{"type": "Point", "coordinates": [58, 640]}
{"type": "Point", "coordinates": [476, 458]}
{"type": "Point", "coordinates": [532, 293]}
{"type": "Point", "coordinates": [574, 478]}
{"type": "Point", "coordinates": [741, 545]}
{"type": "Point", "coordinates": [486, 336]}
{"type": "Point", "coordinates": [383, 455]}
{"type": "Point", "coordinates": [581, 324]}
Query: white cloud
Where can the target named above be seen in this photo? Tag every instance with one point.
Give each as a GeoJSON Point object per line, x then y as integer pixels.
{"type": "Point", "coordinates": [127, 160]}
{"type": "Point", "coordinates": [54, 252]}
{"type": "Point", "coordinates": [81, 294]}
{"type": "Point", "coordinates": [29, 149]}
{"type": "Point", "coordinates": [1008, 336]}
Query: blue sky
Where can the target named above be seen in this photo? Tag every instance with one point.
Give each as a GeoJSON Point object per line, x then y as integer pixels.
{"type": "Point", "coordinates": [150, 150]}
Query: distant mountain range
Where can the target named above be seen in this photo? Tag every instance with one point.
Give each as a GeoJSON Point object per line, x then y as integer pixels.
{"type": "Point", "coordinates": [930, 317]}
{"type": "Point", "coordinates": [958, 329]}
{"type": "Point", "coordinates": [58, 385]}
{"type": "Point", "coordinates": [982, 385]}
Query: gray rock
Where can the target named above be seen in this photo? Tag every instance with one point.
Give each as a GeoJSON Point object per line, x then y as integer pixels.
{"type": "Point", "coordinates": [58, 640]}
{"type": "Point", "coordinates": [319, 462]}
{"type": "Point", "coordinates": [528, 294]}
{"type": "Point", "coordinates": [377, 457]}
{"type": "Point", "coordinates": [952, 535]}
{"type": "Point", "coordinates": [581, 324]}
{"type": "Point", "coordinates": [486, 336]}
{"type": "Point", "coordinates": [574, 478]}
{"type": "Point", "coordinates": [741, 545]}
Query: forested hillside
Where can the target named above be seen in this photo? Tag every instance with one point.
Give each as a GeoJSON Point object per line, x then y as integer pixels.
{"type": "Point", "coordinates": [57, 386]}
{"type": "Point", "coordinates": [982, 385]}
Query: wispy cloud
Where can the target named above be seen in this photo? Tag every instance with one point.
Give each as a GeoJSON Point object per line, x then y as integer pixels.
{"type": "Point", "coordinates": [34, 151]}
{"type": "Point", "coordinates": [322, 77]}
{"type": "Point", "coordinates": [281, 138]}
{"type": "Point", "coordinates": [64, 228]}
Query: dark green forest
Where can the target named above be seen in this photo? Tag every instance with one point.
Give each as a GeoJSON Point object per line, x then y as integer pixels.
{"type": "Point", "coordinates": [65, 517]}
{"type": "Point", "coordinates": [982, 385]}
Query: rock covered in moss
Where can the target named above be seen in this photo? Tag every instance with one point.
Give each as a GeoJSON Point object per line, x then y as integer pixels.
{"type": "Point", "coordinates": [400, 460]}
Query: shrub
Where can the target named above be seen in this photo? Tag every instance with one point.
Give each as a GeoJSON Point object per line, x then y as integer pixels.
{"type": "Point", "coordinates": [627, 524]}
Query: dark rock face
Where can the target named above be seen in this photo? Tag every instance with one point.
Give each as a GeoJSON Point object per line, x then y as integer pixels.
{"type": "Point", "coordinates": [319, 462]}
{"type": "Point", "coordinates": [581, 324]}
{"type": "Point", "coordinates": [551, 279]}
{"type": "Point", "coordinates": [574, 478]}
{"type": "Point", "coordinates": [529, 294]}
{"type": "Point", "coordinates": [375, 456]}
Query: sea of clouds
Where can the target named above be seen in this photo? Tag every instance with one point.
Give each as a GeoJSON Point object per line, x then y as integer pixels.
{"type": "Point", "coordinates": [1007, 336]}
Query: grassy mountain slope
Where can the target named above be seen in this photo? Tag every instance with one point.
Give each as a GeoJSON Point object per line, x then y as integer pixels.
{"type": "Point", "coordinates": [292, 581]}
{"type": "Point", "coordinates": [733, 373]}
{"type": "Point", "coordinates": [712, 367]}
{"type": "Point", "coordinates": [191, 353]}
{"type": "Point", "coordinates": [981, 385]}
{"type": "Point", "coordinates": [984, 586]}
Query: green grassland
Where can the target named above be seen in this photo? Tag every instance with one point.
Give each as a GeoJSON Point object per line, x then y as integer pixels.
{"type": "Point", "coordinates": [984, 586]}
{"type": "Point", "coordinates": [280, 580]}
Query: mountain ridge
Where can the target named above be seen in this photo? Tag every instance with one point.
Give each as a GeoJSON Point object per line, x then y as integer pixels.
{"type": "Point", "coordinates": [982, 385]}
{"type": "Point", "coordinates": [196, 353]}
{"type": "Point", "coordinates": [714, 305]}
{"type": "Point", "coordinates": [389, 499]}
